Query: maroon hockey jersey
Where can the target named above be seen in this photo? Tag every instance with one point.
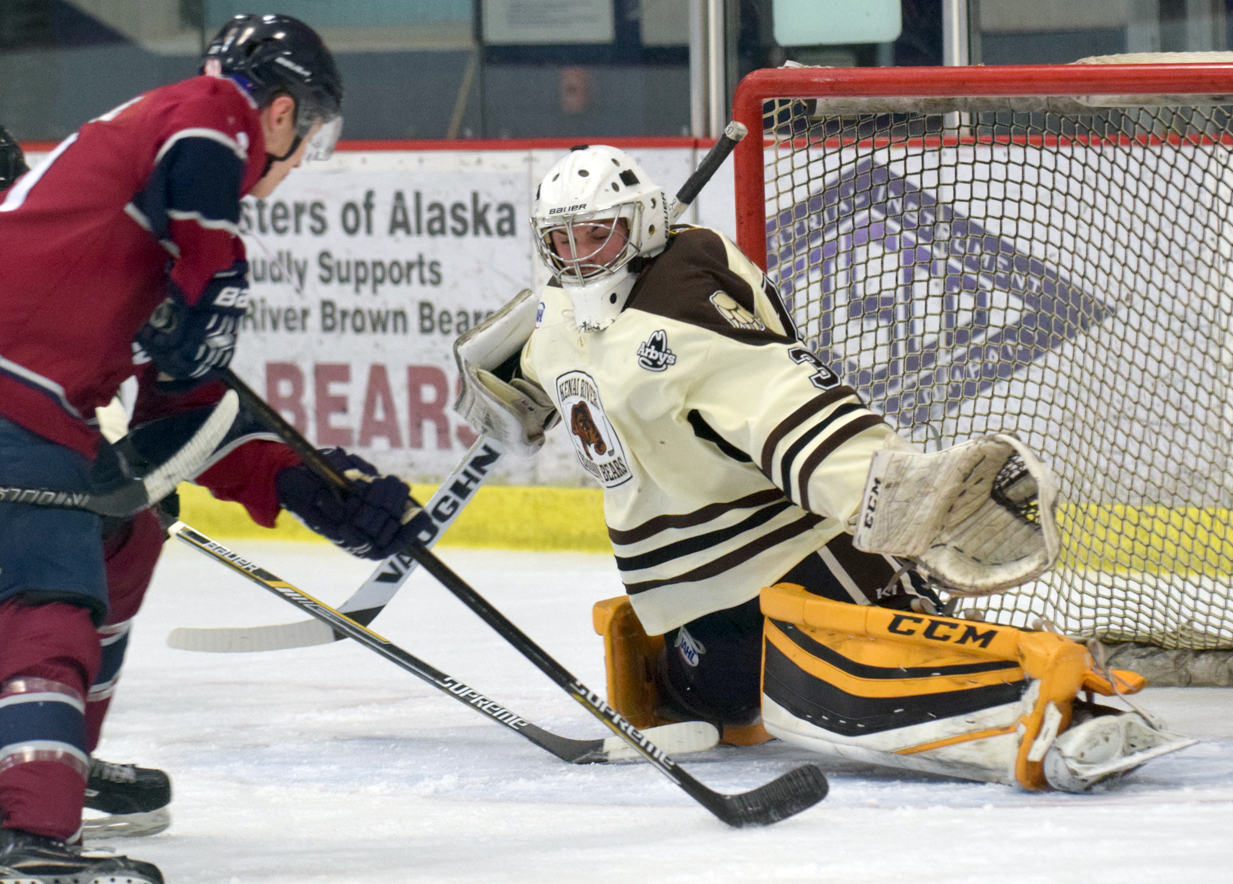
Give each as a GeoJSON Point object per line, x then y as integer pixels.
{"type": "Point", "coordinates": [148, 191]}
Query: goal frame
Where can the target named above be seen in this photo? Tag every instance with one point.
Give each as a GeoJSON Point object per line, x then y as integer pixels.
{"type": "Point", "coordinates": [1067, 89]}
{"type": "Point", "coordinates": [1129, 84]}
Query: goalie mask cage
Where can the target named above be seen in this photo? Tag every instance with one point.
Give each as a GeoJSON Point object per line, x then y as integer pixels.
{"type": "Point", "coordinates": [1037, 250]}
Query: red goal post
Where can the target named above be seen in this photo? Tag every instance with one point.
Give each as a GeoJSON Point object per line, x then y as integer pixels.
{"type": "Point", "coordinates": [1043, 250]}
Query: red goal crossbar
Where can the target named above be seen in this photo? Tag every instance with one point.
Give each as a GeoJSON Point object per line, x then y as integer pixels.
{"type": "Point", "coordinates": [881, 88]}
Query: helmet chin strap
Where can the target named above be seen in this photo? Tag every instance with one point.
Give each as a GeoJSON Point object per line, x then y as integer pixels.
{"type": "Point", "coordinates": [270, 159]}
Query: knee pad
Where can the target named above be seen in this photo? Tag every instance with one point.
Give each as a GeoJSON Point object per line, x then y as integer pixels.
{"type": "Point", "coordinates": [923, 692]}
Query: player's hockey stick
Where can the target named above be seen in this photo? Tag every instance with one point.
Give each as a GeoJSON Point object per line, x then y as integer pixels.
{"type": "Point", "coordinates": [687, 737]}
{"type": "Point", "coordinates": [788, 794]}
{"type": "Point", "coordinates": [375, 593]}
{"type": "Point", "coordinates": [136, 494]}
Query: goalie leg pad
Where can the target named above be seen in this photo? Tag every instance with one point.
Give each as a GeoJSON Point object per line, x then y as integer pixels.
{"type": "Point", "coordinates": [917, 691]}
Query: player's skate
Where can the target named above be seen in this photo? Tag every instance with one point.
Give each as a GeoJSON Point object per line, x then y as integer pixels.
{"type": "Point", "coordinates": [1108, 744]}
{"type": "Point", "coordinates": [31, 859]}
{"type": "Point", "coordinates": [127, 800]}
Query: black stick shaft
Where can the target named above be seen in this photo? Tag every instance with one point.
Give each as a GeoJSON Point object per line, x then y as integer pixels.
{"type": "Point", "coordinates": [731, 137]}
{"type": "Point", "coordinates": [793, 792]}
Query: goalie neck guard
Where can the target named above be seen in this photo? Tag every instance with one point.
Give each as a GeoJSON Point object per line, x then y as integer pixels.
{"type": "Point", "coordinates": [594, 213]}
{"type": "Point", "coordinates": [271, 55]}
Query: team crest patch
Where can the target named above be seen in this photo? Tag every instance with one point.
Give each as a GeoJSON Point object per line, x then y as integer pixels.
{"type": "Point", "coordinates": [593, 437]}
{"type": "Point", "coordinates": [653, 353]}
{"type": "Point", "coordinates": [737, 316]}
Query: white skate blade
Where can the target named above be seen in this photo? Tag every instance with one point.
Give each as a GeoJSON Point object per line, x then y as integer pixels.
{"type": "Point", "coordinates": [125, 825]}
{"type": "Point", "coordinates": [675, 739]}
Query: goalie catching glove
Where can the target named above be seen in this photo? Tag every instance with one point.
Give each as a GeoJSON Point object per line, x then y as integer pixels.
{"type": "Point", "coordinates": [509, 409]}
{"type": "Point", "coordinates": [373, 519]}
{"type": "Point", "coordinates": [977, 518]}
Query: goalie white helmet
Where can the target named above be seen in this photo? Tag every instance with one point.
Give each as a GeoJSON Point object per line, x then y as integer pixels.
{"type": "Point", "coordinates": [594, 213]}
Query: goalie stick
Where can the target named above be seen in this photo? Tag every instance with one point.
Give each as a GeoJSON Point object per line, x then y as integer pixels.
{"type": "Point", "coordinates": [790, 793]}
{"type": "Point", "coordinates": [137, 494]}
{"type": "Point", "coordinates": [370, 599]}
{"type": "Point", "coordinates": [376, 592]}
{"type": "Point", "coordinates": [731, 137]}
{"type": "Point", "coordinates": [693, 736]}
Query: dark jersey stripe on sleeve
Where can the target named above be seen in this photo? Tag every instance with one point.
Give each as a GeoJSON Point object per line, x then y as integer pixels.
{"type": "Point", "coordinates": [198, 178]}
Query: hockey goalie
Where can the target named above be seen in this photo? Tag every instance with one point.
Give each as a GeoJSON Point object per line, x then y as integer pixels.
{"type": "Point", "coordinates": [785, 553]}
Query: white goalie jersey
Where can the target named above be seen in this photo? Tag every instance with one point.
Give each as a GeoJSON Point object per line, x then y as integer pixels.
{"type": "Point", "coordinates": [727, 451]}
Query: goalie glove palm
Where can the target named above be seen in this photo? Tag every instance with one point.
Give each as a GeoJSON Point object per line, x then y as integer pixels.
{"type": "Point", "coordinates": [978, 517]}
{"type": "Point", "coordinates": [375, 518]}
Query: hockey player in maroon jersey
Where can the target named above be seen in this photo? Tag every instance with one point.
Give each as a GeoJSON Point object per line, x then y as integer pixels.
{"type": "Point", "coordinates": [772, 532]}
{"type": "Point", "coordinates": [122, 247]}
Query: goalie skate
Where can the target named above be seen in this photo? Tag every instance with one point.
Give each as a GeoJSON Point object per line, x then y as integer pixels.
{"type": "Point", "coordinates": [123, 800]}
{"type": "Point", "coordinates": [1105, 747]}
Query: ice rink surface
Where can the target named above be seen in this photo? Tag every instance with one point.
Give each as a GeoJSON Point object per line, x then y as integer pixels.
{"type": "Point", "coordinates": [330, 764]}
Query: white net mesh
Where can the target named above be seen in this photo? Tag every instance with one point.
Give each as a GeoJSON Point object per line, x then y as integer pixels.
{"type": "Point", "coordinates": [1048, 266]}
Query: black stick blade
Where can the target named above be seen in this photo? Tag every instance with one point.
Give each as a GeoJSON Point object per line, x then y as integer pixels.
{"type": "Point", "coordinates": [797, 790]}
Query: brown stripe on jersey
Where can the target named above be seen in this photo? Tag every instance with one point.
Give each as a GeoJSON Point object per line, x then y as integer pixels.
{"type": "Point", "coordinates": [795, 419]}
{"type": "Point", "coordinates": [869, 571]}
{"type": "Point", "coordinates": [843, 434]}
{"type": "Point", "coordinates": [711, 511]}
{"type": "Point", "coordinates": [680, 281]}
{"type": "Point", "coordinates": [699, 542]}
{"type": "Point", "coordinates": [772, 293]}
{"type": "Point", "coordinates": [734, 558]}
{"type": "Point", "coordinates": [785, 463]}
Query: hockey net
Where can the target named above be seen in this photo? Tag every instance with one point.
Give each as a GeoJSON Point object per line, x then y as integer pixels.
{"type": "Point", "coordinates": [1037, 250]}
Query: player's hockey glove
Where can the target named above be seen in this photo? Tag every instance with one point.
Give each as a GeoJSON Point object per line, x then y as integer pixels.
{"type": "Point", "coordinates": [373, 519]}
{"type": "Point", "coordinates": [189, 342]}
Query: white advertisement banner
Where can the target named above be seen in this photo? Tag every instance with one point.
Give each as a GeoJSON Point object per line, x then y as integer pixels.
{"type": "Point", "coordinates": [366, 268]}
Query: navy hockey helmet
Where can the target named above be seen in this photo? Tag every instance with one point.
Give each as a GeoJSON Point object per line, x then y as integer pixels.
{"type": "Point", "coordinates": [12, 160]}
{"type": "Point", "coordinates": [271, 55]}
